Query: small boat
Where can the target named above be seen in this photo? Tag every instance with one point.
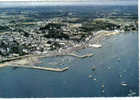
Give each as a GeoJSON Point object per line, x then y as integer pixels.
{"type": "Point", "coordinates": [95, 45]}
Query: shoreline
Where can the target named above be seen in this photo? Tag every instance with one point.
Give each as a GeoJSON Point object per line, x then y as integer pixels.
{"type": "Point", "coordinates": [28, 60]}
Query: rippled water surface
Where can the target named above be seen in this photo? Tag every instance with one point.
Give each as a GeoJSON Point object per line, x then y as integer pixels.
{"type": "Point", "coordinates": [116, 62]}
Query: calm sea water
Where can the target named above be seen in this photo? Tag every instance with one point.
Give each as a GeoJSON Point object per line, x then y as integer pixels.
{"type": "Point", "coordinates": [115, 62]}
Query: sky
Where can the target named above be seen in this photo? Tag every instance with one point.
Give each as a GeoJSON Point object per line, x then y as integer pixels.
{"type": "Point", "coordinates": [4, 3]}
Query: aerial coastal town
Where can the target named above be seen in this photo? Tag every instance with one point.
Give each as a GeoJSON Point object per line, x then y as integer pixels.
{"type": "Point", "coordinates": [60, 35]}
{"type": "Point", "coordinates": [69, 51]}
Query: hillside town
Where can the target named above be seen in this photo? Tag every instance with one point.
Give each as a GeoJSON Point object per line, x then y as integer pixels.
{"type": "Point", "coordinates": [56, 35]}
